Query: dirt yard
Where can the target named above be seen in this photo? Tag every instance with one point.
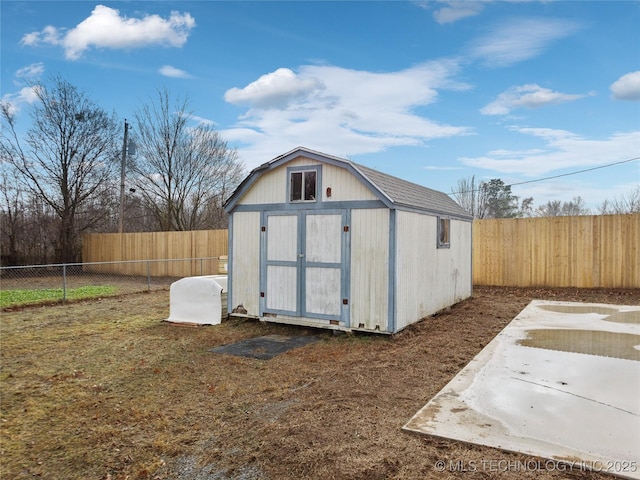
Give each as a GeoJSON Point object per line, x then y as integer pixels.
{"type": "Point", "coordinates": [106, 390]}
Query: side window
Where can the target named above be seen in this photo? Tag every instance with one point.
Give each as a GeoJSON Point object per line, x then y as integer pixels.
{"type": "Point", "coordinates": [444, 231]}
{"type": "Point", "coordinates": [303, 186]}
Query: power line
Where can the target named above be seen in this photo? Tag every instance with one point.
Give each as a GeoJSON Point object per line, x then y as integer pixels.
{"type": "Point", "coordinates": [558, 176]}
{"type": "Point", "coordinates": [576, 172]}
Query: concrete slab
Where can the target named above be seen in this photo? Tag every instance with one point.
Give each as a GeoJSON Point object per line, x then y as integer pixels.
{"type": "Point", "coordinates": [266, 347]}
{"type": "Point", "coordinates": [561, 382]}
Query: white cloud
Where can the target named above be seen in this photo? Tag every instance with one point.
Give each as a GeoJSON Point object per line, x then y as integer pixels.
{"type": "Point", "coordinates": [434, 167]}
{"type": "Point", "coordinates": [340, 111]}
{"type": "Point", "coordinates": [201, 120]}
{"type": "Point", "coordinates": [561, 150]}
{"type": "Point", "coordinates": [529, 96]}
{"type": "Point", "coordinates": [27, 94]}
{"type": "Point", "coordinates": [449, 11]}
{"type": "Point", "coordinates": [627, 87]}
{"type": "Point", "coordinates": [173, 72]}
{"type": "Point", "coordinates": [15, 101]}
{"type": "Point", "coordinates": [105, 28]}
{"type": "Point", "coordinates": [49, 34]}
{"type": "Point", "coordinates": [456, 10]}
{"type": "Point", "coordinates": [31, 72]}
{"type": "Point", "coordinates": [520, 39]}
{"type": "Point", "coordinates": [274, 90]}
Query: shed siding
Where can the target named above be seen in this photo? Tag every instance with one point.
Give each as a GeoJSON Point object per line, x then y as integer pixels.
{"type": "Point", "coordinates": [323, 291]}
{"type": "Point", "coordinates": [453, 268]}
{"type": "Point", "coordinates": [323, 234]}
{"type": "Point", "coordinates": [282, 280]}
{"type": "Point", "coordinates": [429, 278]}
{"type": "Point", "coordinates": [271, 188]}
{"type": "Point", "coordinates": [245, 263]}
{"type": "Point", "coordinates": [272, 185]}
{"type": "Point", "coordinates": [461, 232]}
{"type": "Point", "coordinates": [369, 268]}
{"type": "Point", "coordinates": [283, 240]}
{"type": "Point", "coordinates": [344, 185]}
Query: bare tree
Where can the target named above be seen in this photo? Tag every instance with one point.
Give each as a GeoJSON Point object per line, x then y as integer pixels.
{"type": "Point", "coordinates": [553, 208]}
{"type": "Point", "coordinates": [472, 196]}
{"type": "Point", "coordinates": [556, 208]}
{"type": "Point", "coordinates": [67, 156]}
{"type": "Point", "coordinates": [181, 173]}
{"type": "Point", "coordinates": [628, 202]}
{"type": "Point", "coordinates": [11, 217]}
{"type": "Point", "coordinates": [577, 206]}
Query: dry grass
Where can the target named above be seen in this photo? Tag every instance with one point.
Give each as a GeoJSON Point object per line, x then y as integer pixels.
{"type": "Point", "coordinates": [105, 390]}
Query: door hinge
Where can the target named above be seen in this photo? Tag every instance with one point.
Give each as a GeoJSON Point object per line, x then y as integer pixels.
{"type": "Point", "coordinates": [345, 228]}
{"type": "Point", "coordinates": [263, 228]}
{"type": "Point", "coordinates": [345, 301]}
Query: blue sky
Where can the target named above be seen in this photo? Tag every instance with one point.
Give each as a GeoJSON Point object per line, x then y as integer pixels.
{"type": "Point", "coordinates": [429, 91]}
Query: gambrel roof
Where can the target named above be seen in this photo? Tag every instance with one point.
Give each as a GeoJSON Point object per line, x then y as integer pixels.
{"type": "Point", "coordinates": [392, 191]}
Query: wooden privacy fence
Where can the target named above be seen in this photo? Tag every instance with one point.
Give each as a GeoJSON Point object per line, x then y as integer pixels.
{"type": "Point", "coordinates": [196, 245]}
{"type": "Point", "coordinates": [584, 251]}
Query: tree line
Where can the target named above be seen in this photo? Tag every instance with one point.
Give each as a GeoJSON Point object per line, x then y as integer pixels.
{"type": "Point", "coordinates": [64, 176]}
{"type": "Point", "coordinates": [494, 199]}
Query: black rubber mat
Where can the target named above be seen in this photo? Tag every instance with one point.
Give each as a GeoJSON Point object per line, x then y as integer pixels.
{"type": "Point", "coordinates": [264, 348]}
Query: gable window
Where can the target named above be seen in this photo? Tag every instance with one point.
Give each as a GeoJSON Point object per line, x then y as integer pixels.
{"type": "Point", "coordinates": [444, 232]}
{"type": "Point", "coordinates": [303, 186]}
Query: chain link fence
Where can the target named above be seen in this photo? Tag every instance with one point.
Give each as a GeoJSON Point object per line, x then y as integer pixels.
{"type": "Point", "coordinates": [29, 284]}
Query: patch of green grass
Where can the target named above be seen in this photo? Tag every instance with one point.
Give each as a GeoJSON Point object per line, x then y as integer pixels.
{"type": "Point", "coordinates": [15, 298]}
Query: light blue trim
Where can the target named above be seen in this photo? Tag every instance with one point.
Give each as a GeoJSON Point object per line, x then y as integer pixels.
{"type": "Point", "coordinates": [279, 263]}
{"type": "Point", "coordinates": [297, 206]}
{"type": "Point", "coordinates": [320, 316]}
{"type": "Point", "coordinates": [286, 313]}
{"type": "Point", "coordinates": [304, 265]}
{"type": "Point", "coordinates": [301, 287]}
{"type": "Point", "coordinates": [471, 258]}
{"type": "Point", "coordinates": [323, 264]}
{"type": "Point", "coordinates": [433, 213]}
{"type": "Point", "coordinates": [262, 301]}
{"type": "Point", "coordinates": [345, 275]}
{"type": "Point", "coordinates": [339, 205]}
{"type": "Point", "coordinates": [392, 283]}
{"type": "Point", "coordinates": [230, 306]}
{"type": "Point", "coordinates": [265, 263]}
{"type": "Point", "coordinates": [305, 168]}
{"type": "Point", "coordinates": [301, 265]}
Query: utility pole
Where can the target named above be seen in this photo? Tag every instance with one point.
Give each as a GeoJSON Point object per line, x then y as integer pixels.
{"type": "Point", "coordinates": [122, 169]}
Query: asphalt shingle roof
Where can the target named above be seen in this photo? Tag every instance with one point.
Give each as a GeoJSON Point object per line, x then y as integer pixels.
{"type": "Point", "coordinates": [404, 193]}
{"type": "Point", "coordinates": [396, 192]}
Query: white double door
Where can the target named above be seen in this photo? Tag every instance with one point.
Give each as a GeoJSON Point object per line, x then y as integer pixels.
{"type": "Point", "coordinates": [304, 258]}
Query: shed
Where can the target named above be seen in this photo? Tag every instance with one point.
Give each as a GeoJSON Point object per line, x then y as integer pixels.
{"type": "Point", "coordinates": [321, 241]}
